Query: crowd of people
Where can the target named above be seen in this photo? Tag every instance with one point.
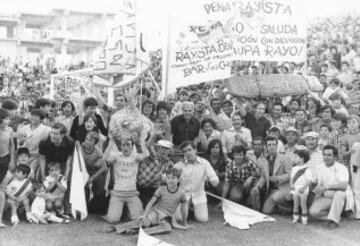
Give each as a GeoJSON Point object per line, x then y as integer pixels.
{"type": "Point", "coordinates": [157, 159]}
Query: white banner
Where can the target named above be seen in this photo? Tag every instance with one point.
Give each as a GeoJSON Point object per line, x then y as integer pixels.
{"type": "Point", "coordinates": [206, 35]}
{"type": "Point", "coordinates": [199, 52]}
{"type": "Point", "coordinates": [119, 52]}
{"type": "Point", "coordinates": [262, 30]}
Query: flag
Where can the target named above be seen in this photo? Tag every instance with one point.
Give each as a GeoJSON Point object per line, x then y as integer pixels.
{"type": "Point", "coordinates": [242, 217]}
{"type": "Point", "coordinates": [146, 240]}
{"type": "Point", "coordinates": [79, 177]}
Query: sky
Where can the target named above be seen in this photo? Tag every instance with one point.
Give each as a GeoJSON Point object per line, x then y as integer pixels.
{"type": "Point", "coordinates": [313, 8]}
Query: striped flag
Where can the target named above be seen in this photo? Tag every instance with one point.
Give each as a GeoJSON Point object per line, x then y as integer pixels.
{"type": "Point", "coordinates": [79, 177]}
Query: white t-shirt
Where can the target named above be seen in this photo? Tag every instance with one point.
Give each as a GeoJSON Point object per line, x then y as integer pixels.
{"type": "Point", "coordinates": [15, 185]}
{"type": "Point", "coordinates": [302, 180]}
{"type": "Point", "coordinates": [125, 171]}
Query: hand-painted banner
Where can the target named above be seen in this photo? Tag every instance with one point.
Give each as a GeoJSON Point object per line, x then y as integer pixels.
{"type": "Point", "coordinates": [210, 34]}
{"type": "Point", "coordinates": [198, 53]}
{"type": "Point", "coordinates": [262, 30]}
{"type": "Point", "coordinates": [119, 52]}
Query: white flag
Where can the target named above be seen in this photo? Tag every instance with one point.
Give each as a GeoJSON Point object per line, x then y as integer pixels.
{"type": "Point", "coordinates": [146, 240]}
{"type": "Point", "coordinates": [79, 178]}
{"type": "Point", "coordinates": [242, 217]}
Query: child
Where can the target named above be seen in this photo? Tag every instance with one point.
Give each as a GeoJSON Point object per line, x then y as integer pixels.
{"type": "Point", "coordinates": [96, 168]}
{"type": "Point", "coordinates": [56, 185]}
{"type": "Point", "coordinates": [300, 179]}
{"type": "Point", "coordinates": [39, 214]}
{"type": "Point", "coordinates": [160, 211]}
{"type": "Point", "coordinates": [125, 167]}
{"type": "Point", "coordinates": [324, 134]}
{"type": "Point", "coordinates": [17, 192]}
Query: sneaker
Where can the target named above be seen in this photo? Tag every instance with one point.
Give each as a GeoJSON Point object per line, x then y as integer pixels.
{"type": "Point", "coordinates": [30, 218]}
{"type": "Point", "coordinates": [304, 220]}
{"type": "Point", "coordinates": [14, 220]}
{"type": "Point", "coordinates": [295, 219]}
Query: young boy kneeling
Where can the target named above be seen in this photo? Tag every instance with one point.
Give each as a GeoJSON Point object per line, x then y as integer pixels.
{"type": "Point", "coordinates": [159, 215]}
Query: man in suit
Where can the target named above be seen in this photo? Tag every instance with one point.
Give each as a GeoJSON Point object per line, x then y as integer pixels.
{"type": "Point", "coordinates": [279, 178]}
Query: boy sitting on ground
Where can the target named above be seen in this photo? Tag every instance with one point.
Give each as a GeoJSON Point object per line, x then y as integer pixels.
{"type": "Point", "coordinates": [17, 192]}
{"type": "Point", "coordinates": [56, 185]}
{"type": "Point", "coordinates": [159, 215]}
{"type": "Point", "coordinates": [39, 214]}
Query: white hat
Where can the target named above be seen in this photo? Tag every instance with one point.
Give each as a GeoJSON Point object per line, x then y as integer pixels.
{"type": "Point", "coordinates": [165, 144]}
{"type": "Point", "coordinates": [311, 134]}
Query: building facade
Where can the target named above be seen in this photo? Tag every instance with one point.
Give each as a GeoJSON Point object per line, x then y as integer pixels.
{"type": "Point", "coordinates": [68, 36]}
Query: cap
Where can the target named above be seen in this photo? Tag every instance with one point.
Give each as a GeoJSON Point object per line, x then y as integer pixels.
{"type": "Point", "coordinates": [275, 128]}
{"type": "Point", "coordinates": [311, 134]}
{"type": "Point", "coordinates": [291, 129]}
{"type": "Point", "coordinates": [165, 144]}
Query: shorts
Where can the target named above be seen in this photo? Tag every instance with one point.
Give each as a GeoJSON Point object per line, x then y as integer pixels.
{"type": "Point", "coordinates": [155, 217]}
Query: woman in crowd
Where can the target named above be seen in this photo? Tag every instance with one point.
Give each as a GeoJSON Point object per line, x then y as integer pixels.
{"type": "Point", "coordinates": [216, 157]}
{"type": "Point", "coordinates": [207, 133]}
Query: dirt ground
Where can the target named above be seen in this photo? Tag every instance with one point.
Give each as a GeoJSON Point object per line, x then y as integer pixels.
{"type": "Point", "coordinates": [281, 232]}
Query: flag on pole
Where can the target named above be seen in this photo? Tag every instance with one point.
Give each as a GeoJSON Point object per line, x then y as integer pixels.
{"type": "Point", "coordinates": [146, 240]}
{"type": "Point", "coordinates": [242, 217]}
{"type": "Point", "coordinates": [79, 178]}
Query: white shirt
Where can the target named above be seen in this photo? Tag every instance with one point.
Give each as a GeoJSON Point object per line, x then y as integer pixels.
{"type": "Point", "coordinates": [193, 177]}
{"type": "Point", "coordinates": [302, 180]}
{"type": "Point", "coordinates": [333, 175]}
{"type": "Point", "coordinates": [316, 161]}
{"type": "Point", "coordinates": [228, 138]}
{"type": "Point", "coordinates": [125, 171]}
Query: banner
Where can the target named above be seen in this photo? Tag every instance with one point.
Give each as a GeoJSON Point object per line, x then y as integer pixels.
{"type": "Point", "coordinates": [262, 30]}
{"type": "Point", "coordinates": [205, 36]}
{"type": "Point", "coordinates": [119, 52]}
{"type": "Point", "coordinates": [199, 52]}
{"type": "Point", "coordinates": [146, 240]}
{"type": "Point", "coordinates": [79, 177]}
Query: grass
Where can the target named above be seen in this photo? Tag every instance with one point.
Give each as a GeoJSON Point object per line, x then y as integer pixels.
{"type": "Point", "coordinates": [281, 232]}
